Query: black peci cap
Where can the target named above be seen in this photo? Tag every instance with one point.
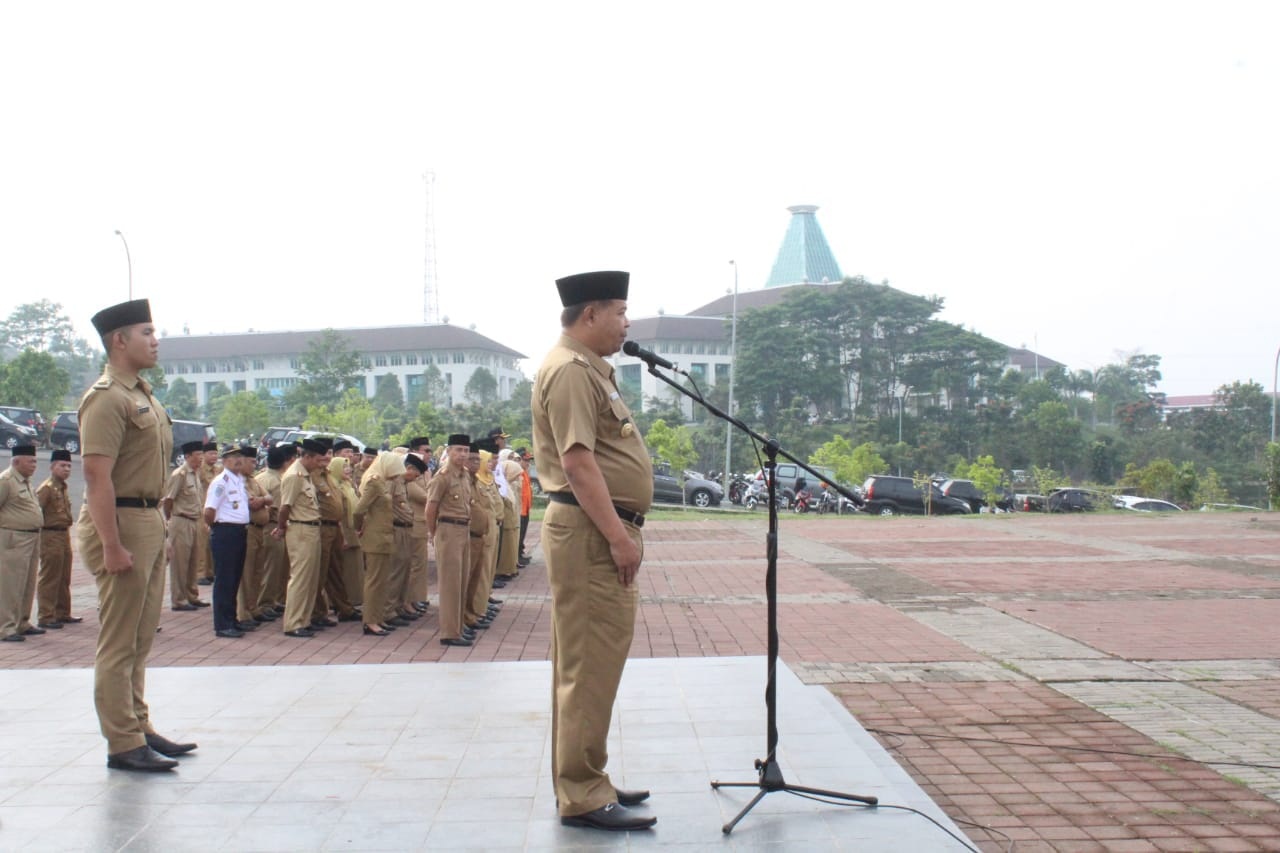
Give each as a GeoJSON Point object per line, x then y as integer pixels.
{"type": "Point", "coordinates": [210, 445]}
{"type": "Point", "coordinates": [24, 450]}
{"type": "Point", "coordinates": [60, 456]}
{"type": "Point", "coordinates": [125, 314]}
{"type": "Point", "coordinates": [414, 461]}
{"type": "Point", "coordinates": [193, 447]}
{"type": "Point", "coordinates": [590, 286]}
{"type": "Point", "coordinates": [314, 445]}
{"type": "Point", "coordinates": [460, 439]}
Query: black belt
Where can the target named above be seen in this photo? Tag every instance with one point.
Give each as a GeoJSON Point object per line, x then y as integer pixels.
{"type": "Point", "coordinates": [53, 528]}
{"type": "Point", "coordinates": [241, 525]}
{"type": "Point", "coordinates": [475, 535]}
{"type": "Point", "coordinates": [405, 523]}
{"type": "Point", "coordinates": [187, 517]}
{"type": "Point", "coordinates": [138, 503]}
{"type": "Point", "coordinates": [21, 529]}
{"type": "Point", "coordinates": [307, 523]}
{"type": "Point", "coordinates": [626, 515]}
{"type": "Point", "coordinates": [465, 522]}
{"type": "Point", "coordinates": [324, 523]}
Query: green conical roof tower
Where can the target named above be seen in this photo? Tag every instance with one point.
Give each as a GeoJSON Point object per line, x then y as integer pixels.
{"type": "Point", "coordinates": [805, 257]}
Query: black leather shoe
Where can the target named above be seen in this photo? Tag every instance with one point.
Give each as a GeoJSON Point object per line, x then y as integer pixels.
{"type": "Point", "coordinates": [13, 638]}
{"type": "Point", "coordinates": [350, 617]}
{"type": "Point", "coordinates": [183, 607]}
{"type": "Point", "coordinates": [397, 622]}
{"type": "Point", "coordinates": [205, 582]}
{"type": "Point", "coordinates": [420, 606]}
{"type": "Point", "coordinates": [164, 746]}
{"type": "Point", "coordinates": [479, 625]}
{"type": "Point", "coordinates": [497, 584]}
{"type": "Point", "coordinates": [412, 617]}
{"type": "Point", "coordinates": [321, 624]}
{"type": "Point", "coordinates": [70, 620]}
{"type": "Point", "coordinates": [612, 817]}
{"type": "Point", "coordinates": [468, 634]}
{"type": "Point", "coordinates": [493, 600]}
{"type": "Point", "coordinates": [33, 631]}
{"type": "Point", "coordinates": [384, 626]}
{"type": "Point", "coordinates": [229, 633]}
{"type": "Point", "coordinates": [143, 758]}
{"type": "Point", "coordinates": [301, 632]}
{"type": "Point", "coordinates": [630, 798]}
{"type": "Point", "coordinates": [248, 626]}
{"type": "Point", "coordinates": [51, 626]}
{"type": "Point", "coordinates": [197, 604]}
{"type": "Point", "coordinates": [458, 642]}
{"type": "Point", "coordinates": [381, 632]}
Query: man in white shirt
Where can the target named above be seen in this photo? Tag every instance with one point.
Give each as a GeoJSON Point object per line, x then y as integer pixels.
{"type": "Point", "coordinates": [226, 511]}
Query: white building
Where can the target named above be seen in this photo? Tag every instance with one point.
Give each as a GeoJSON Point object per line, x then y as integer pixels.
{"type": "Point", "coordinates": [271, 360]}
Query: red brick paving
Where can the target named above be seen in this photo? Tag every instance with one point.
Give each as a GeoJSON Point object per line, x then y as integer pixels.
{"type": "Point", "coordinates": [1199, 595]}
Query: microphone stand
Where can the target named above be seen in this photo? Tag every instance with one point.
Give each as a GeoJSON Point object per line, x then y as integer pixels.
{"type": "Point", "coordinates": [770, 779]}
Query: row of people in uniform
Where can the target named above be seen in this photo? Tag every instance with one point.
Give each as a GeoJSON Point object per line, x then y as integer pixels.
{"type": "Point", "coordinates": [325, 524]}
{"type": "Point", "coordinates": [35, 546]}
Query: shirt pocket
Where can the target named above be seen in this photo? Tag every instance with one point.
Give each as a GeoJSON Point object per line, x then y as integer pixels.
{"type": "Point", "coordinates": [619, 421]}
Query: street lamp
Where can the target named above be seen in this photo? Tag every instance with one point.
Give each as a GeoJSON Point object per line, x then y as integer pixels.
{"type": "Point", "coordinates": [733, 358]}
{"type": "Point", "coordinates": [128, 258]}
{"type": "Point", "coordinates": [901, 400]}
{"type": "Point", "coordinates": [1274, 376]}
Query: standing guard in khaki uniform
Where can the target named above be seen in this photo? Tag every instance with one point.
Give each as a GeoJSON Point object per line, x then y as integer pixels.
{"type": "Point", "coordinates": [249, 599]}
{"type": "Point", "coordinates": [477, 613]}
{"type": "Point", "coordinates": [298, 523]}
{"type": "Point", "coordinates": [331, 591]}
{"type": "Point", "coordinates": [275, 573]}
{"type": "Point", "coordinates": [401, 610]}
{"type": "Point", "coordinates": [449, 525]}
{"type": "Point", "coordinates": [126, 442]}
{"type": "Point", "coordinates": [20, 523]}
{"type": "Point", "coordinates": [54, 586]}
{"type": "Point", "coordinates": [182, 504]}
{"type": "Point", "coordinates": [209, 469]}
{"type": "Point", "coordinates": [596, 469]}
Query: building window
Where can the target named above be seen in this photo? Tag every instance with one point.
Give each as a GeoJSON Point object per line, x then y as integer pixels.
{"type": "Point", "coordinates": [195, 368]}
{"type": "Point", "coordinates": [237, 386]}
{"type": "Point", "coordinates": [294, 364]}
{"type": "Point", "coordinates": [182, 369]}
{"type": "Point", "coordinates": [663, 346]}
{"type": "Point", "coordinates": [700, 349]}
{"type": "Point", "coordinates": [629, 377]}
{"type": "Point", "coordinates": [722, 373]}
{"type": "Point", "coordinates": [226, 367]}
{"type": "Point", "coordinates": [459, 358]}
{"type": "Point", "coordinates": [168, 369]}
{"type": "Point", "coordinates": [210, 367]}
{"type": "Point", "coordinates": [411, 358]}
{"type": "Point", "coordinates": [396, 360]}
{"type": "Point", "coordinates": [366, 363]}
{"type": "Point", "coordinates": [259, 364]}
{"type": "Point", "coordinates": [698, 371]}
{"type": "Point", "coordinates": [379, 361]}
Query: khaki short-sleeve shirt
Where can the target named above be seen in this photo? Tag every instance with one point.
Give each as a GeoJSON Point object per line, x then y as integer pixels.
{"type": "Point", "coordinates": [120, 419]}
{"type": "Point", "coordinates": [19, 509]}
{"type": "Point", "coordinates": [452, 490]}
{"type": "Point", "coordinates": [184, 490]}
{"type": "Point", "coordinates": [576, 402]}
{"type": "Point", "coordinates": [55, 503]}
{"type": "Point", "coordinates": [299, 494]}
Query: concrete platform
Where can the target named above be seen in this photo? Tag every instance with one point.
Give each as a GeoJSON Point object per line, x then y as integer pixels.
{"type": "Point", "coordinates": [439, 756]}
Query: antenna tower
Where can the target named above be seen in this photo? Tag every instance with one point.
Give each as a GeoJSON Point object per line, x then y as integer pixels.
{"type": "Point", "coordinates": [430, 296]}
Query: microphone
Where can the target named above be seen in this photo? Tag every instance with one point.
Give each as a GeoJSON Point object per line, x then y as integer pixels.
{"type": "Point", "coordinates": [652, 359]}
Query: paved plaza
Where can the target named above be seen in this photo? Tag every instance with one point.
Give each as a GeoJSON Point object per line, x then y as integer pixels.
{"type": "Point", "coordinates": [1106, 683]}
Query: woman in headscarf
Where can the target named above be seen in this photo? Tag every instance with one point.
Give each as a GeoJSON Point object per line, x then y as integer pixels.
{"type": "Point", "coordinates": [509, 547]}
{"type": "Point", "coordinates": [486, 508]}
{"type": "Point", "coordinates": [350, 557]}
{"type": "Point", "coordinates": [374, 518]}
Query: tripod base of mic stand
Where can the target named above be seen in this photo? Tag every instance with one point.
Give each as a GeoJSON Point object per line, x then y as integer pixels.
{"type": "Point", "coordinates": [770, 781]}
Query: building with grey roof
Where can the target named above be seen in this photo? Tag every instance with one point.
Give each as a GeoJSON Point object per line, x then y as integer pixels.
{"type": "Point", "coordinates": [253, 360]}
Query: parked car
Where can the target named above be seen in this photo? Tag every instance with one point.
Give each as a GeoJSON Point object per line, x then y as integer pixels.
{"type": "Point", "coordinates": [885, 495]}
{"type": "Point", "coordinates": [298, 434]}
{"type": "Point", "coordinates": [66, 431]}
{"type": "Point", "coordinates": [966, 491]}
{"type": "Point", "coordinates": [1138, 504]}
{"type": "Point", "coordinates": [789, 473]}
{"type": "Point", "coordinates": [184, 431]}
{"type": "Point", "coordinates": [25, 417]}
{"type": "Point", "coordinates": [12, 434]}
{"type": "Point", "coordinates": [1026, 502]}
{"type": "Point", "coordinates": [697, 490]}
{"type": "Point", "coordinates": [274, 435]}
{"type": "Point", "coordinates": [1076, 500]}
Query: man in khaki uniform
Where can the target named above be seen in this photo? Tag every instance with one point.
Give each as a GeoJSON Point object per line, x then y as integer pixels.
{"type": "Point", "coordinates": [275, 573]}
{"type": "Point", "coordinates": [182, 505]}
{"type": "Point", "coordinates": [54, 586]}
{"type": "Point", "coordinates": [298, 523]}
{"type": "Point", "coordinates": [331, 591]}
{"type": "Point", "coordinates": [596, 469]}
{"type": "Point", "coordinates": [449, 525]}
{"type": "Point", "coordinates": [209, 469]}
{"type": "Point", "coordinates": [249, 599]}
{"type": "Point", "coordinates": [20, 523]}
{"type": "Point", "coordinates": [127, 441]}
{"type": "Point", "coordinates": [486, 506]}
{"type": "Point", "coordinates": [418, 560]}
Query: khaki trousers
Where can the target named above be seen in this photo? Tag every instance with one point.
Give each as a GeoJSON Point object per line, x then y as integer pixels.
{"type": "Point", "coordinates": [331, 594]}
{"type": "Point", "coordinates": [249, 596]}
{"type": "Point", "coordinates": [476, 600]}
{"type": "Point", "coordinates": [376, 568]}
{"type": "Point", "coordinates": [353, 574]}
{"type": "Point", "coordinates": [129, 611]}
{"type": "Point", "coordinates": [54, 585]}
{"type": "Point", "coordinates": [593, 619]}
{"type": "Point", "coordinates": [303, 542]}
{"type": "Point", "coordinates": [275, 572]}
{"type": "Point", "coordinates": [185, 538]}
{"type": "Point", "coordinates": [19, 567]}
{"type": "Point", "coordinates": [204, 554]}
{"type": "Point", "coordinates": [509, 548]}
{"type": "Point", "coordinates": [417, 567]}
{"type": "Point", "coordinates": [453, 553]}
{"type": "Point", "coordinates": [398, 577]}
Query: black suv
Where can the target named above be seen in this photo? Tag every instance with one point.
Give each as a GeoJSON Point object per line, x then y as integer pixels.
{"type": "Point", "coordinates": [26, 417]}
{"type": "Point", "coordinates": [184, 431]}
{"type": "Point", "coordinates": [66, 432]}
{"type": "Point", "coordinates": [885, 495]}
{"type": "Point", "coordinates": [1076, 500]}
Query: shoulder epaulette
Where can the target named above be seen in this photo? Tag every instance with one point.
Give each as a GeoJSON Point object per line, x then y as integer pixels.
{"type": "Point", "coordinates": [102, 383]}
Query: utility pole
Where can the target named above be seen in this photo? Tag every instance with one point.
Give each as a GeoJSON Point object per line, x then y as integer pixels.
{"type": "Point", "coordinates": [430, 294]}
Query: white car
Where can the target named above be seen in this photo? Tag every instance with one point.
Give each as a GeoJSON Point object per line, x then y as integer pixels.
{"type": "Point", "coordinates": [1138, 504]}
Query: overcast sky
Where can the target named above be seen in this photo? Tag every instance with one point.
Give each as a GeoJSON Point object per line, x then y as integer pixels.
{"type": "Point", "coordinates": [1088, 179]}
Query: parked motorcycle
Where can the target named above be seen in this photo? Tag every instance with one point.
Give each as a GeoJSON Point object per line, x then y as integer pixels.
{"type": "Point", "coordinates": [737, 488]}
{"type": "Point", "coordinates": [757, 494]}
{"type": "Point", "coordinates": [803, 498]}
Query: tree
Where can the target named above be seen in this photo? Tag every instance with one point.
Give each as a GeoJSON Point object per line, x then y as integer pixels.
{"type": "Point", "coordinates": [242, 416]}
{"type": "Point", "coordinates": [329, 367]}
{"type": "Point", "coordinates": [180, 400]}
{"type": "Point", "coordinates": [34, 380]}
{"type": "Point", "coordinates": [41, 326]}
{"type": "Point", "coordinates": [427, 420]}
{"type": "Point", "coordinates": [1273, 473]}
{"type": "Point", "coordinates": [851, 464]}
{"type": "Point", "coordinates": [1054, 436]}
{"type": "Point", "coordinates": [482, 387]}
{"type": "Point", "coordinates": [673, 444]}
{"type": "Point", "coordinates": [354, 415]}
{"type": "Point", "coordinates": [986, 475]}
{"type": "Point", "coordinates": [216, 397]}
{"type": "Point", "coordinates": [387, 392]}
